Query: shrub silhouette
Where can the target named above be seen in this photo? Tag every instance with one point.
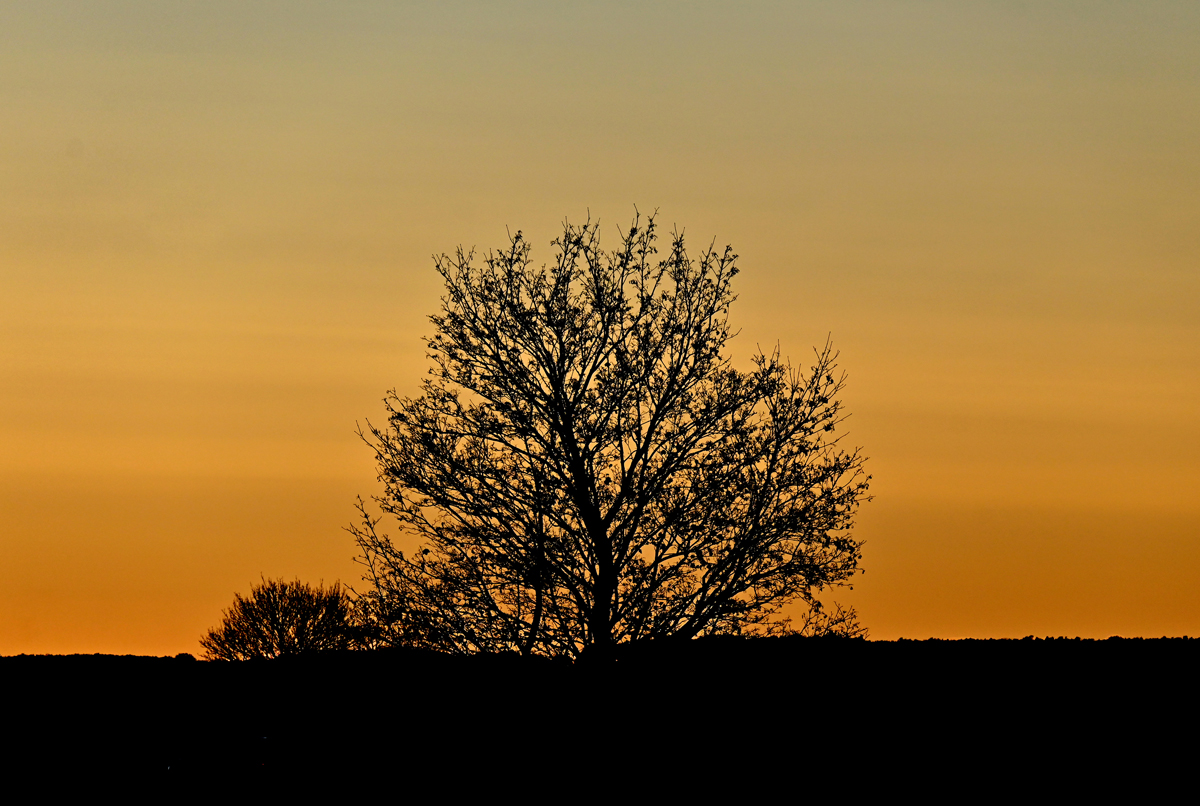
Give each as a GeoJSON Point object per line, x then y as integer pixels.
{"type": "Point", "coordinates": [281, 618]}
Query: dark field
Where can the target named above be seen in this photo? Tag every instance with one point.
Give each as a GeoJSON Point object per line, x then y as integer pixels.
{"type": "Point", "coordinates": [710, 706]}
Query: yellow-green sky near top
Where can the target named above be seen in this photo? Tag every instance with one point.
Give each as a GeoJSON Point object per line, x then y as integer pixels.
{"type": "Point", "coordinates": [216, 223]}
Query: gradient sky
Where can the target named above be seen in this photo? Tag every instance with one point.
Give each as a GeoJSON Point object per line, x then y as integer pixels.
{"type": "Point", "coordinates": [217, 222]}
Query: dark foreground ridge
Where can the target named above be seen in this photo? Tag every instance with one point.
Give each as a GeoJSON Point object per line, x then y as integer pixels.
{"type": "Point", "coordinates": [712, 701]}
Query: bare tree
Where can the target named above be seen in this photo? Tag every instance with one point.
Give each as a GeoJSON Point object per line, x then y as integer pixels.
{"type": "Point", "coordinates": [586, 467]}
{"type": "Point", "coordinates": [281, 618]}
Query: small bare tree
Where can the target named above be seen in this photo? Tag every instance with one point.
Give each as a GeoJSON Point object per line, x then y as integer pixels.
{"type": "Point", "coordinates": [281, 618]}
{"type": "Point", "coordinates": [586, 467]}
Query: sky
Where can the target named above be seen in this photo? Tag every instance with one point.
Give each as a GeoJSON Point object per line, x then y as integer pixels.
{"type": "Point", "coordinates": [217, 223]}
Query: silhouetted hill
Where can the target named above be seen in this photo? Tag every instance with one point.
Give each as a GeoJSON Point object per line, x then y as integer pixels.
{"type": "Point", "coordinates": [704, 704]}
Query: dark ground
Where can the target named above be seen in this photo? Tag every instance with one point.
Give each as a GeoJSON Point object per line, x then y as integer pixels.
{"type": "Point", "coordinates": [718, 708]}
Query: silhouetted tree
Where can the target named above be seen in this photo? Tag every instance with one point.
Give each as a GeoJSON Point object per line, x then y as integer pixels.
{"type": "Point", "coordinates": [586, 467]}
{"type": "Point", "coordinates": [281, 618]}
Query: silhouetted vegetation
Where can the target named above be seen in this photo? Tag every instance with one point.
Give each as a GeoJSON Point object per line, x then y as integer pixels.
{"type": "Point", "coordinates": [586, 468]}
{"type": "Point", "coordinates": [714, 709]}
{"type": "Point", "coordinates": [282, 618]}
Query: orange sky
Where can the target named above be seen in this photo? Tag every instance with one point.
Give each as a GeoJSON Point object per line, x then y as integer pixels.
{"type": "Point", "coordinates": [216, 224]}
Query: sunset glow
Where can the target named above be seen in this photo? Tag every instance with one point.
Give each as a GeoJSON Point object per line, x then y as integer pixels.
{"type": "Point", "coordinates": [216, 237]}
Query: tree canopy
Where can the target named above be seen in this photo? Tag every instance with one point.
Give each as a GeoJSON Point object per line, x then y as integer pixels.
{"type": "Point", "coordinates": [584, 466]}
{"type": "Point", "coordinates": [281, 618]}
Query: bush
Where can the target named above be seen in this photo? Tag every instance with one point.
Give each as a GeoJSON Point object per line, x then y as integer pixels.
{"type": "Point", "coordinates": [281, 618]}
